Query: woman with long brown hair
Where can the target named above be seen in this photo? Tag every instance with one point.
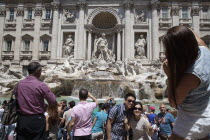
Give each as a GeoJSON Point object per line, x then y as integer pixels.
{"type": "Point", "coordinates": [142, 130]}
{"type": "Point", "coordinates": [187, 66]}
{"type": "Point", "coordinates": [52, 121]}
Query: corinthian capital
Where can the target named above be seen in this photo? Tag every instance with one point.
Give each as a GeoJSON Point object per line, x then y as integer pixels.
{"type": "Point", "coordinates": [55, 5]}
{"type": "Point", "coordinates": [38, 12]}
{"type": "Point", "coordinates": [195, 11]}
{"type": "Point", "coordinates": [128, 5]}
{"type": "Point", "coordinates": [81, 5]}
{"type": "Point", "coordinates": [175, 11]}
{"type": "Point", "coordinates": [20, 11]}
{"type": "Point", "coordinates": [2, 12]}
{"type": "Point", "coordinates": [155, 5]}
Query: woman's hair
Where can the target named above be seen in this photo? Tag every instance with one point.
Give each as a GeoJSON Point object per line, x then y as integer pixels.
{"type": "Point", "coordinates": [174, 113]}
{"type": "Point", "coordinates": [52, 111]}
{"type": "Point", "coordinates": [138, 103]}
{"type": "Point", "coordinates": [181, 52]}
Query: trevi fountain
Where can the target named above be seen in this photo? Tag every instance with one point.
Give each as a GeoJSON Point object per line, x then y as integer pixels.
{"type": "Point", "coordinates": [102, 75]}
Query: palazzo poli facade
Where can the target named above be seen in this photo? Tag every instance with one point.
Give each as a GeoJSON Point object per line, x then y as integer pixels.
{"type": "Point", "coordinates": [49, 31]}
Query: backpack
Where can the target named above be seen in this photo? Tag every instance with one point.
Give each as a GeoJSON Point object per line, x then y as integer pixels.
{"type": "Point", "coordinates": [10, 113]}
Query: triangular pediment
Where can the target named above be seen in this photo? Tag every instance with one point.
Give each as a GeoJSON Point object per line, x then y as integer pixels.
{"type": "Point", "coordinates": [9, 37]}
{"type": "Point", "coordinates": [27, 36]}
{"type": "Point", "coordinates": [45, 36]}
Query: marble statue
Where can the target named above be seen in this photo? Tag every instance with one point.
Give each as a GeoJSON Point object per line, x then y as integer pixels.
{"type": "Point", "coordinates": [68, 46]}
{"type": "Point", "coordinates": [128, 67]}
{"type": "Point", "coordinates": [141, 16]}
{"type": "Point", "coordinates": [140, 47]}
{"type": "Point", "coordinates": [102, 52]}
{"type": "Point", "coordinates": [69, 16]}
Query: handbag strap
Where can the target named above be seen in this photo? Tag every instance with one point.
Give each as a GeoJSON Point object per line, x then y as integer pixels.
{"type": "Point", "coordinates": [15, 91]}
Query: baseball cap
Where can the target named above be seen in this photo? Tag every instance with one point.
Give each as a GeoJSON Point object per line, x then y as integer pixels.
{"type": "Point", "coordinates": [152, 107]}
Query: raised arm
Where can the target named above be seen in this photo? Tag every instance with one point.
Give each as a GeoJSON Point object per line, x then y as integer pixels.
{"type": "Point", "coordinates": [71, 124]}
{"type": "Point", "coordinates": [199, 40]}
{"type": "Point", "coordinates": [93, 98]}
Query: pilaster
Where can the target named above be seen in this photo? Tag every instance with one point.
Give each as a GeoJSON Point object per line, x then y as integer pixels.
{"type": "Point", "coordinates": [2, 19]}
{"type": "Point", "coordinates": [118, 45]}
{"type": "Point", "coordinates": [36, 41]}
{"type": "Point", "coordinates": [196, 18]}
{"type": "Point", "coordinates": [128, 6]}
{"type": "Point", "coordinates": [175, 15]}
{"type": "Point", "coordinates": [81, 46]}
{"type": "Point", "coordinates": [54, 46]}
{"type": "Point", "coordinates": [89, 43]}
{"type": "Point", "coordinates": [155, 43]}
{"type": "Point", "coordinates": [113, 42]}
{"type": "Point", "coordinates": [17, 46]}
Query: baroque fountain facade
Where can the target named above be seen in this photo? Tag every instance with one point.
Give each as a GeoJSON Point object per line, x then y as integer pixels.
{"type": "Point", "coordinates": [110, 47]}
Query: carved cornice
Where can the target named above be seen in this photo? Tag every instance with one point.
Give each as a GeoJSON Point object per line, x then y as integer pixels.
{"type": "Point", "coordinates": [38, 12]}
{"type": "Point", "coordinates": [55, 5]}
{"type": "Point", "coordinates": [195, 11]}
{"type": "Point", "coordinates": [175, 11]}
{"type": "Point", "coordinates": [20, 12]}
{"type": "Point", "coordinates": [2, 12]}
{"type": "Point", "coordinates": [81, 5]}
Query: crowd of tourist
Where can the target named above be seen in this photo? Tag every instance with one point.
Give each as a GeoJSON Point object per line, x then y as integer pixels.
{"type": "Point", "coordinates": [110, 122]}
{"type": "Point", "coordinates": [187, 68]}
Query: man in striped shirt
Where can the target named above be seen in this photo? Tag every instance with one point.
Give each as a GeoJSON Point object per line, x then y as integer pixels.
{"type": "Point", "coordinates": [115, 123]}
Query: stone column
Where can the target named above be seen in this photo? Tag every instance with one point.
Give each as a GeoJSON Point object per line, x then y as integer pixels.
{"type": "Point", "coordinates": [175, 16]}
{"type": "Point", "coordinates": [89, 43]}
{"type": "Point", "coordinates": [81, 46]}
{"type": "Point", "coordinates": [196, 19]}
{"type": "Point", "coordinates": [113, 43]}
{"type": "Point", "coordinates": [155, 43]}
{"type": "Point", "coordinates": [118, 45]}
{"type": "Point", "coordinates": [54, 31]}
{"type": "Point", "coordinates": [2, 19]}
{"type": "Point", "coordinates": [19, 21]}
{"type": "Point", "coordinates": [37, 19]}
{"type": "Point", "coordinates": [127, 47]}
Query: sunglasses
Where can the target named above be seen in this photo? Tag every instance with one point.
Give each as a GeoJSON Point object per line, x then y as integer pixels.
{"type": "Point", "coordinates": [136, 108]}
{"type": "Point", "coordinates": [133, 101]}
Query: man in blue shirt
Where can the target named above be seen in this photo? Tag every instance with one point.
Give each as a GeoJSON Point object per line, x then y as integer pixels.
{"type": "Point", "coordinates": [165, 122]}
{"type": "Point", "coordinates": [152, 115]}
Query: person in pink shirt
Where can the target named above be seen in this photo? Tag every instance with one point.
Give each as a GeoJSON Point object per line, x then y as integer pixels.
{"type": "Point", "coordinates": [31, 92]}
{"type": "Point", "coordinates": [81, 122]}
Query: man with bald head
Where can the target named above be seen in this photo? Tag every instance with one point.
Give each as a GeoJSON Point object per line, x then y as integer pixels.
{"type": "Point", "coordinates": [165, 121]}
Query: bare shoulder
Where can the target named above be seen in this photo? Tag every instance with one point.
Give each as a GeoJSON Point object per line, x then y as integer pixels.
{"type": "Point", "coordinates": [187, 83]}
{"type": "Point", "coordinates": [191, 80]}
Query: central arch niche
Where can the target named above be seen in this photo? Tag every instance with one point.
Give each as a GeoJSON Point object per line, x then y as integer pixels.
{"type": "Point", "coordinates": [104, 20]}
